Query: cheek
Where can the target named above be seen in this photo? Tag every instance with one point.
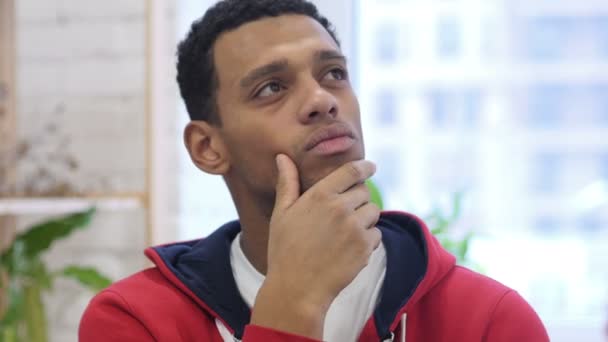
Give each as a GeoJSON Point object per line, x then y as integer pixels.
{"type": "Point", "coordinates": [253, 151]}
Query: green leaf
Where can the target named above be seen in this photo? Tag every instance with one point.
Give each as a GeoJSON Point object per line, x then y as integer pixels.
{"type": "Point", "coordinates": [376, 196]}
{"type": "Point", "coordinates": [14, 260]}
{"type": "Point", "coordinates": [39, 275]}
{"type": "Point", "coordinates": [35, 323]}
{"type": "Point", "coordinates": [440, 226]}
{"type": "Point", "coordinates": [87, 276]}
{"type": "Point", "coordinates": [457, 205]}
{"type": "Point", "coordinates": [14, 312]}
{"type": "Point", "coordinates": [464, 246]}
{"type": "Point", "coordinates": [38, 238]}
{"type": "Point", "coordinates": [8, 333]}
{"type": "Point", "coordinates": [449, 245]}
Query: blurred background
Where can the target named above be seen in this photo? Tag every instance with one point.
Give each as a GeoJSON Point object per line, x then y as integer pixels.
{"type": "Point", "coordinates": [495, 110]}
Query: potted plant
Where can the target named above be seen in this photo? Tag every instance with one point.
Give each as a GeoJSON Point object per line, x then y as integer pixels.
{"type": "Point", "coordinates": [24, 277]}
{"type": "Point", "coordinates": [440, 223]}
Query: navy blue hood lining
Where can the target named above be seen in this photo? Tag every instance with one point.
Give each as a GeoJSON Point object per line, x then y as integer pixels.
{"type": "Point", "coordinates": [204, 267]}
{"type": "Point", "coordinates": [406, 264]}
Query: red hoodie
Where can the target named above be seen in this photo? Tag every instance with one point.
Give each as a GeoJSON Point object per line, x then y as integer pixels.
{"type": "Point", "coordinates": [425, 297]}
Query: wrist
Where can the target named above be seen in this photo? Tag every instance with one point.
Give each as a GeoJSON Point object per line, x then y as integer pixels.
{"type": "Point", "coordinates": [286, 309]}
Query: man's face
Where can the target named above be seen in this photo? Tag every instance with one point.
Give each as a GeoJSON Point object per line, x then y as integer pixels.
{"type": "Point", "coordinates": [283, 88]}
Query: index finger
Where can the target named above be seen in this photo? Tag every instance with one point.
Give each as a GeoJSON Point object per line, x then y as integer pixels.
{"type": "Point", "coordinates": [346, 176]}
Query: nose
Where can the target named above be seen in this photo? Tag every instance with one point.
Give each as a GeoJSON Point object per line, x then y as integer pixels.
{"type": "Point", "coordinates": [318, 104]}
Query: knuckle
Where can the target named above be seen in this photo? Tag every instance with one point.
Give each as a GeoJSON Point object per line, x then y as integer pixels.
{"type": "Point", "coordinates": [340, 209]}
{"type": "Point", "coordinates": [372, 214]}
{"type": "Point", "coordinates": [365, 191]}
{"type": "Point", "coordinates": [351, 221]}
{"type": "Point", "coordinates": [374, 208]}
{"type": "Point", "coordinates": [354, 170]}
{"type": "Point", "coordinates": [377, 211]}
{"type": "Point", "coordinates": [316, 196]}
{"type": "Point", "coordinates": [358, 242]}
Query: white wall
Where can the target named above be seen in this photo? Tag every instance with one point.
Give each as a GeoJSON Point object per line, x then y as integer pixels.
{"type": "Point", "coordinates": [81, 69]}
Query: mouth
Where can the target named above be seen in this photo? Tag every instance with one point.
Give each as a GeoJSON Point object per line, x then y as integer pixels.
{"type": "Point", "coordinates": [333, 139]}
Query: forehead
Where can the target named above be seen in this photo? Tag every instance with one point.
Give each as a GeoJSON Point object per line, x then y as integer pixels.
{"type": "Point", "coordinates": [266, 40]}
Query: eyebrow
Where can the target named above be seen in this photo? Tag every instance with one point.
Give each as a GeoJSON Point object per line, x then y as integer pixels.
{"type": "Point", "coordinates": [325, 55]}
{"type": "Point", "coordinates": [282, 64]}
{"type": "Point", "coordinates": [263, 71]}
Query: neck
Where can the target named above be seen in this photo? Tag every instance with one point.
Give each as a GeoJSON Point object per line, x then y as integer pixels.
{"type": "Point", "coordinates": [254, 216]}
{"type": "Point", "coordinates": [255, 247]}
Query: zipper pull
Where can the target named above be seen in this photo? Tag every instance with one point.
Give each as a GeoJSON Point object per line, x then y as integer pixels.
{"type": "Point", "coordinates": [403, 330]}
{"type": "Point", "coordinates": [390, 339]}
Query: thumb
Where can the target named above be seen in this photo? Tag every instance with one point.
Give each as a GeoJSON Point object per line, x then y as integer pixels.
{"type": "Point", "coordinates": [288, 183]}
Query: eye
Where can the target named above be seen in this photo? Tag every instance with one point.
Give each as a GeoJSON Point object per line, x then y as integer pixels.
{"type": "Point", "coordinates": [337, 74]}
{"type": "Point", "coordinates": [269, 89]}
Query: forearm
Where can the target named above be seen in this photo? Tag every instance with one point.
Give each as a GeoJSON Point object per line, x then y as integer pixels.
{"type": "Point", "coordinates": [277, 309]}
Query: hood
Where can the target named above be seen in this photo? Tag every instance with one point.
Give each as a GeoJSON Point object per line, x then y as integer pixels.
{"type": "Point", "coordinates": [201, 269]}
{"type": "Point", "coordinates": [438, 262]}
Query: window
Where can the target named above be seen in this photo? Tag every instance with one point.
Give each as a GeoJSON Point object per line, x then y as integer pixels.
{"type": "Point", "coordinates": [439, 107]}
{"type": "Point", "coordinates": [510, 140]}
{"type": "Point", "coordinates": [449, 41]}
{"type": "Point", "coordinates": [545, 105]}
{"type": "Point", "coordinates": [545, 175]}
{"type": "Point", "coordinates": [599, 96]}
{"type": "Point", "coordinates": [452, 170]}
{"type": "Point", "coordinates": [386, 109]}
{"type": "Point", "coordinates": [601, 35]}
{"type": "Point", "coordinates": [454, 108]}
{"type": "Point", "coordinates": [547, 225]}
{"type": "Point", "coordinates": [387, 43]}
{"type": "Point", "coordinates": [545, 37]}
{"type": "Point", "coordinates": [603, 166]}
{"type": "Point", "coordinates": [388, 174]}
{"type": "Point", "coordinates": [471, 107]}
{"type": "Point", "coordinates": [592, 223]}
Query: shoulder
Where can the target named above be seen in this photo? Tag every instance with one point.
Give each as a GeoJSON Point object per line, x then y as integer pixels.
{"type": "Point", "coordinates": [464, 279]}
{"type": "Point", "coordinates": [513, 319]}
{"type": "Point", "coordinates": [143, 306]}
{"type": "Point", "coordinates": [144, 292]}
{"type": "Point", "coordinates": [141, 286]}
{"type": "Point", "coordinates": [110, 315]}
{"type": "Point", "coordinates": [509, 317]}
{"type": "Point", "coordinates": [472, 288]}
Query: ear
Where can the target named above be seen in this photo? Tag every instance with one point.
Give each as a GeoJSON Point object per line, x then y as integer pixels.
{"type": "Point", "coordinates": [206, 147]}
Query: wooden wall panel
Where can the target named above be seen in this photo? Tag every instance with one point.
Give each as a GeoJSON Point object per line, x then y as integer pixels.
{"type": "Point", "coordinates": [7, 91]}
{"type": "Point", "coordinates": [7, 109]}
{"type": "Point", "coordinates": [7, 120]}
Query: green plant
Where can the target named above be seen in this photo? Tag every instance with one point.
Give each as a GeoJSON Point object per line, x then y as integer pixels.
{"type": "Point", "coordinates": [24, 276]}
{"type": "Point", "coordinates": [440, 223]}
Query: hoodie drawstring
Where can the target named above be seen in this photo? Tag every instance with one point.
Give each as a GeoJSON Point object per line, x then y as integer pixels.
{"type": "Point", "coordinates": [403, 327]}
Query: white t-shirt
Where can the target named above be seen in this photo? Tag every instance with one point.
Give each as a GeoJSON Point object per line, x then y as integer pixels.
{"type": "Point", "coordinates": [347, 314]}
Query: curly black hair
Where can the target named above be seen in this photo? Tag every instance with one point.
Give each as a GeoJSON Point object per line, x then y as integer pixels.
{"type": "Point", "coordinates": [196, 73]}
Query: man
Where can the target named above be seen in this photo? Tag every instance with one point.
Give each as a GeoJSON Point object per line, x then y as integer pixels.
{"type": "Point", "coordinates": [273, 112]}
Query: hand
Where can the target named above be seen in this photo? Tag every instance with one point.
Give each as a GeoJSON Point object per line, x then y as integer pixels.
{"type": "Point", "coordinates": [318, 243]}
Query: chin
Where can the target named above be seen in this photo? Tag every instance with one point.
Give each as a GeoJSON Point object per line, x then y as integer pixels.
{"type": "Point", "coordinates": [313, 171]}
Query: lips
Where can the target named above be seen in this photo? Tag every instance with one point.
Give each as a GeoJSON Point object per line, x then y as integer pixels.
{"type": "Point", "coordinates": [333, 131]}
